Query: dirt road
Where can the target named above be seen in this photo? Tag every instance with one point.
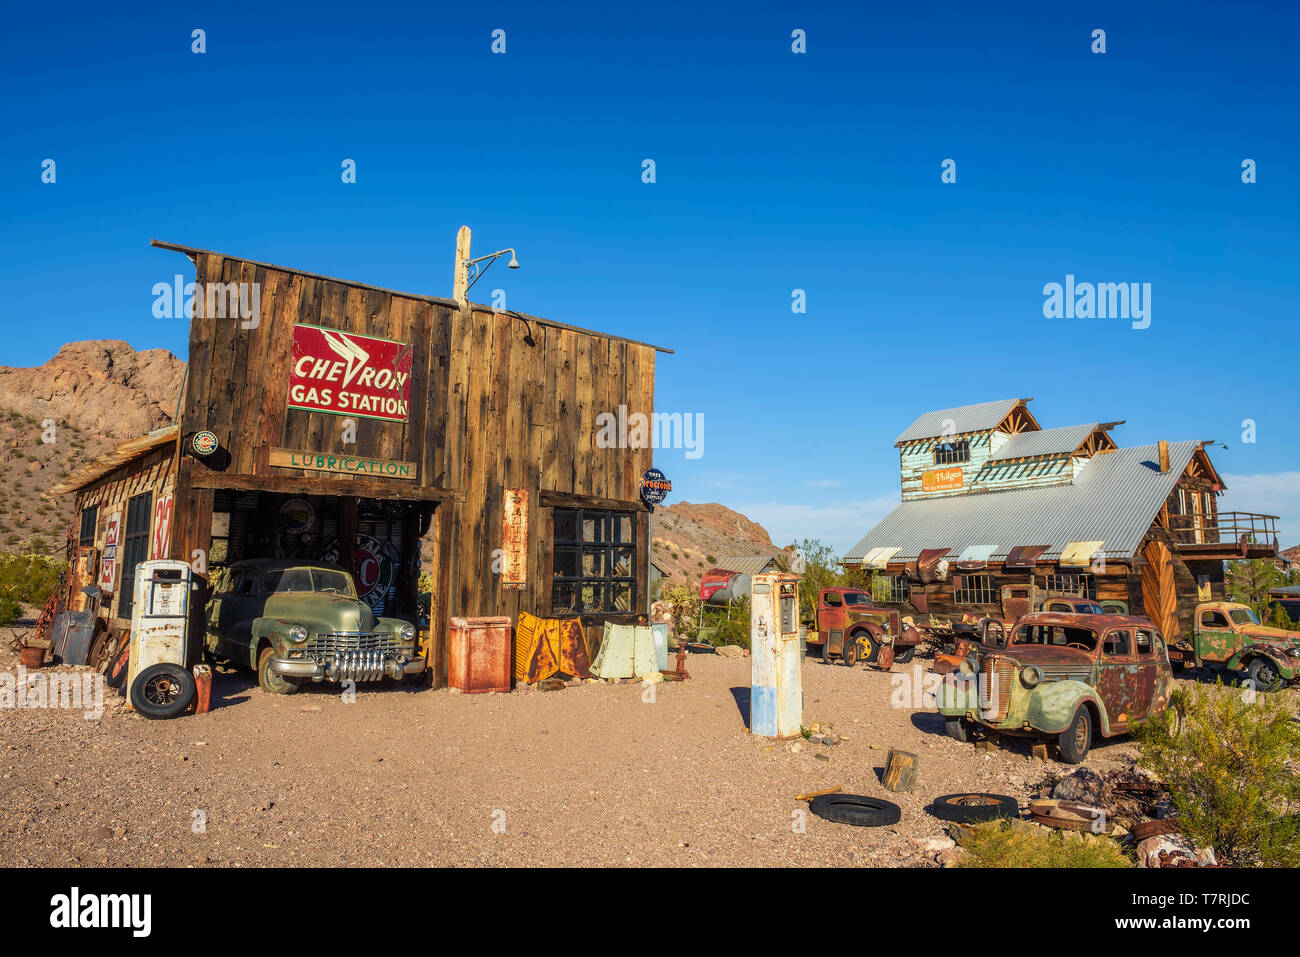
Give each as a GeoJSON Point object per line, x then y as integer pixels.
{"type": "Point", "coordinates": [590, 775]}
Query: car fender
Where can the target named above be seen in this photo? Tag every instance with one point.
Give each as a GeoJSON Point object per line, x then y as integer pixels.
{"type": "Point", "coordinates": [1287, 666]}
{"type": "Point", "coordinates": [958, 694]}
{"type": "Point", "coordinates": [274, 630]}
{"type": "Point", "coordinates": [1051, 706]}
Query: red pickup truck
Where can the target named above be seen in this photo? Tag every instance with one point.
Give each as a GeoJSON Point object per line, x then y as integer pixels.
{"type": "Point", "coordinates": [851, 628]}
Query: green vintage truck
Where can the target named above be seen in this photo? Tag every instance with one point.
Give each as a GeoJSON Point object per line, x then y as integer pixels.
{"type": "Point", "coordinates": [293, 622]}
{"type": "Point", "coordinates": [1065, 676]}
{"type": "Point", "coordinates": [1227, 635]}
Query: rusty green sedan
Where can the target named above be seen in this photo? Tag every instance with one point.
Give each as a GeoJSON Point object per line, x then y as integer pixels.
{"type": "Point", "coordinates": [293, 622]}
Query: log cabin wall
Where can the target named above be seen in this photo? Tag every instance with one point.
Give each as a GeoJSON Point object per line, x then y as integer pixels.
{"type": "Point", "coordinates": [497, 401]}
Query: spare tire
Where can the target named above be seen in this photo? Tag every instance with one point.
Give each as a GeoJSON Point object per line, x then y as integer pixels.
{"type": "Point", "coordinates": [162, 691]}
{"type": "Point", "coordinates": [117, 668]}
{"type": "Point", "coordinates": [856, 809]}
{"type": "Point", "coordinates": [974, 808]}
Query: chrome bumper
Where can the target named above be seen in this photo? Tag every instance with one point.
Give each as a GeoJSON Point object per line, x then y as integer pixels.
{"type": "Point", "coordinates": [348, 666]}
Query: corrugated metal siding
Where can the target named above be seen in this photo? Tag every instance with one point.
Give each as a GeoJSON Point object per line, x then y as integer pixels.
{"type": "Point", "coordinates": [966, 418]}
{"type": "Point", "coordinates": [747, 565]}
{"type": "Point", "coordinates": [1115, 499]}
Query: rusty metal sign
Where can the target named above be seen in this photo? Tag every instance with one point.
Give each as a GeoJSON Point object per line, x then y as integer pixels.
{"type": "Point", "coordinates": [514, 539]}
{"type": "Point", "coordinates": [1024, 556]}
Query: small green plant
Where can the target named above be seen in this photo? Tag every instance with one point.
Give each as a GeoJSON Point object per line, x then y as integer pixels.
{"type": "Point", "coordinates": [733, 625]}
{"type": "Point", "coordinates": [1014, 844]}
{"type": "Point", "coordinates": [684, 603]}
{"type": "Point", "coordinates": [1224, 753]}
{"type": "Point", "coordinates": [10, 609]}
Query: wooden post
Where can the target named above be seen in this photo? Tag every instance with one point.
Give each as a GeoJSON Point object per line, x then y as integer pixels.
{"type": "Point", "coordinates": [900, 771]}
{"type": "Point", "coordinates": [460, 278]}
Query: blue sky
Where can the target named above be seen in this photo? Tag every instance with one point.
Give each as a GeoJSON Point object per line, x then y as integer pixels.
{"type": "Point", "coordinates": [775, 171]}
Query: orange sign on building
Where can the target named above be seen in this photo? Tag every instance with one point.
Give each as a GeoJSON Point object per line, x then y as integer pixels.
{"type": "Point", "coordinates": [941, 480]}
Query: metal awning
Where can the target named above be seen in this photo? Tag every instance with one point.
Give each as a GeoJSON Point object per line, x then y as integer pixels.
{"type": "Point", "coordinates": [879, 557]}
{"type": "Point", "coordinates": [974, 557]}
{"type": "Point", "coordinates": [1079, 554]}
{"type": "Point", "coordinates": [1024, 556]}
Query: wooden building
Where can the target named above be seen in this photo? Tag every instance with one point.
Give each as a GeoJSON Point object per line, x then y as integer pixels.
{"type": "Point", "coordinates": [998, 512]}
{"type": "Point", "coordinates": [362, 426]}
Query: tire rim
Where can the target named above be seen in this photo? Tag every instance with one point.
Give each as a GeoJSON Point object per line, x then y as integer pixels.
{"type": "Point", "coordinates": [1081, 735]}
{"type": "Point", "coordinates": [160, 691]}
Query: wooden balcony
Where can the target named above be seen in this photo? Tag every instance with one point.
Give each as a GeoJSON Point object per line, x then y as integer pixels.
{"type": "Point", "coordinates": [1226, 535]}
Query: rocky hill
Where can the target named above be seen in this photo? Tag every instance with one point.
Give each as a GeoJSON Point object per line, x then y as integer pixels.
{"type": "Point", "coordinates": [96, 394]}
{"type": "Point", "coordinates": [689, 538]}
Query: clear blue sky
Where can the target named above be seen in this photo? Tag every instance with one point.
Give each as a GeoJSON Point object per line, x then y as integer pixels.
{"type": "Point", "coordinates": [775, 171]}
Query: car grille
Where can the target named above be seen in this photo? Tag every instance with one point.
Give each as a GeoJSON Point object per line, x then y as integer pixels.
{"type": "Point", "coordinates": [996, 675]}
{"type": "Point", "coordinates": [327, 646]}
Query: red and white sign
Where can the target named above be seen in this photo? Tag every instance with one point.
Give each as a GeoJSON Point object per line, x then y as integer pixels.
{"type": "Point", "coordinates": [162, 528]}
{"type": "Point", "coordinates": [108, 559]}
{"type": "Point", "coordinates": [343, 373]}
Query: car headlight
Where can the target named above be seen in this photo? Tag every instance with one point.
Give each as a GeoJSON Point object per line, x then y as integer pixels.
{"type": "Point", "coordinates": [1030, 676]}
{"type": "Point", "coordinates": [406, 632]}
{"type": "Point", "coordinates": [298, 634]}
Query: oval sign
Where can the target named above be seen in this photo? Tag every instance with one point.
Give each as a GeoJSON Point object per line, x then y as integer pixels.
{"type": "Point", "coordinates": [204, 443]}
{"type": "Point", "coordinates": [654, 487]}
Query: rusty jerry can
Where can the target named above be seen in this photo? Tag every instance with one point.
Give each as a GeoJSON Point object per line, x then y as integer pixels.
{"type": "Point", "coordinates": [776, 688]}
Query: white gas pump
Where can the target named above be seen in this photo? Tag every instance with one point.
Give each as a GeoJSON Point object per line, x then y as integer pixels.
{"type": "Point", "coordinates": [159, 683]}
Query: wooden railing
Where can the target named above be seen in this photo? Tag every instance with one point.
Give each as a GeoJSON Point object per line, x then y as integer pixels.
{"type": "Point", "coordinates": [1225, 528]}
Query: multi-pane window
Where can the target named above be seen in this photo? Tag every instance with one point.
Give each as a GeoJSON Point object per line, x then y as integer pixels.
{"type": "Point", "coordinates": [134, 548]}
{"type": "Point", "coordinates": [952, 453]}
{"type": "Point", "coordinates": [890, 589]}
{"type": "Point", "coordinates": [1083, 585]}
{"type": "Point", "coordinates": [89, 519]}
{"type": "Point", "coordinates": [595, 553]}
{"type": "Point", "coordinates": [974, 590]}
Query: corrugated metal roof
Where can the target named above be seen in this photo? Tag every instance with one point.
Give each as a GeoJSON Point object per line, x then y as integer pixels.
{"type": "Point", "coordinates": [1045, 442]}
{"type": "Point", "coordinates": [1114, 499]}
{"type": "Point", "coordinates": [122, 453]}
{"type": "Point", "coordinates": [746, 564]}
{"type": "Point", "coordinates": [962, 419]}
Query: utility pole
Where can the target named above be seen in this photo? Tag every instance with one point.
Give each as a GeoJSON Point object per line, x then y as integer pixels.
{"type": "Point", "coordinates": [460, 280]}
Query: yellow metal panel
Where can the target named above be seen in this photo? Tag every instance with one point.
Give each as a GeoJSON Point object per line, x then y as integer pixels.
{"type": "Point", "coordinates": [1079, 554]}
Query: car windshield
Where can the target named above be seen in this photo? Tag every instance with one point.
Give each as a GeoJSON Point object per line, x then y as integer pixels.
{"type": "Point", "coordinates": [856, 598]}
{"type": "Point", "coordinates": [1243, 616]}
{"type": "Point", "coordinates": [309, 579]}
{"type": "Point", "coordinates": [1055, 635]}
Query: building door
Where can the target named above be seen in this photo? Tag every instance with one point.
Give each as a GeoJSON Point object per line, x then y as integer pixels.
{"type": "Point", "coordinates": [135, 548]}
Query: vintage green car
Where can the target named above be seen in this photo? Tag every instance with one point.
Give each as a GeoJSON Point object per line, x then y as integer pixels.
{"type": "Point", "coordinates": [1063, 675]}
{"type": "Point", "coordinates": [292, 621]}
{"type": "Point", "coordinates": [1227, 636]}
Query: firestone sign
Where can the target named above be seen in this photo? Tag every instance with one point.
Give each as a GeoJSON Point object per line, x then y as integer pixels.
{"type": "Point", "coordinates": [343, 373]}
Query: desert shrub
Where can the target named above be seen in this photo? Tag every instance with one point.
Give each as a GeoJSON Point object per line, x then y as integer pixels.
{"type": "Point", "coordinates": [10, 609]}
{"type": "Point", "coordinates": [1011, 844]}
{"type": "Point", "coordinates": [684, 602]}
{"type": "Point", "coordinates": [733, 625]}
{"type": "Point", "coordinates": [815, 564]}
{"type": "Point", "coordinates": [26, 580]}
{"type": "Point", "coordinates": [1226, 761]}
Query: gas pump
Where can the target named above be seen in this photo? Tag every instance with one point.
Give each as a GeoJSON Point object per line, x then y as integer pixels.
{"type": "Point", "coordinates": [160, 683]}
{"type": "Point", "coordinates": [776, 688]}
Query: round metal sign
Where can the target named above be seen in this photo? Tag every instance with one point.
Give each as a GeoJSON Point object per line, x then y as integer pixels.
{"type": "Point", "coordinates": [204, 443]}
{"type": "Point", "coordinates": [654, 487]}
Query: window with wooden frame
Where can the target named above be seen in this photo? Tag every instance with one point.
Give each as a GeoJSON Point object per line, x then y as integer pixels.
{"type": "Point", "coordinates": [594, 555]}
{"type": "Point", "coordinates": [89, 522]}
{"type": "Point", "coordinates": [974, 590]}
{"type": "Point", "coordinates": [952, 453]}
{"type": "Point", "coordinates": [1083, 585]}
{"type": "Point", "coordinates": [890, 589]}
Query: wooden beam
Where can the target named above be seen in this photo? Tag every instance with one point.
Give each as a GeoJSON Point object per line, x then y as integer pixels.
{"type": "Point", "coordinates": [570, 500]}
{"type": "Point", "coordinates": [360, 488]}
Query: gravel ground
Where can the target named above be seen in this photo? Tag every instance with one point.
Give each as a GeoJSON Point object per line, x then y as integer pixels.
{"type": "Point", "coordinates": [590, 775]}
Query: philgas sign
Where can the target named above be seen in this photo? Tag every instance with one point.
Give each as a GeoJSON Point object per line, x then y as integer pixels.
{"type": "Point", "coordinates": [344, 373]}
{"type": "Point", "coordinates": [654, 487]}
{"type": "Point", "coordinates": [941, 480]}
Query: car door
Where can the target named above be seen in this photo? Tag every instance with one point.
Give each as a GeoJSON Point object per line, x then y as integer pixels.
{"type": "Point", "coordinates": [1147, 653]}
{"type": "Point", "coordinates": [1117, 678]}
{"type": "Point", "coordinates": [1215, 639]}
{"type": "Point", "coordinates": [831, 619]}
{"type": "Point", "coordinates": [246, 604]}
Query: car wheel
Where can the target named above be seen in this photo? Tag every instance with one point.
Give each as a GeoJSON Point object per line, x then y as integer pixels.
{"type": "Point", "coordinates": [855, 809]}
{"type": "Point", "coordinates": [1076, 740]}
{"type": "Point", "coordinates": [268, 680]}
{"type": "Point", "coordinates": [870, 648]}
{"type": "Point", "coordinates": [974, 808]}
{"type": "Point", "coordinates": [850, 653]}
{"type": "Point", "coordinates": [102, 650]}
{"type": "Point", "coordinates": [1264, 674]}
{"type": "Point", "coordinates": [958, 728]}
{"type": "Point", "coordinates": [903, 655]}
{"type": "Point", "coordinates": [116, 673]}
{"type": "Point", "coordinates": [162, 691]}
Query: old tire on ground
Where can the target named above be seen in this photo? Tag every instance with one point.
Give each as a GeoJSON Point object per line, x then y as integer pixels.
{"type": "Point", "coordinates": [103, 649]}
{"type": "Point", "coordinates": [904, 654]}
{"type": "Point", "coordinates": [115, 676]}
{"type": "Point", "coordinates": [268, 680]}
{"type": "Point", "coordinates": [856, 809]}
{"type": "Point", "coordinates": [974, 808]}
{"type": "Point", "coordinates": [958, 729]}
{"type": "Point", "coordinates": [162, 691]}
{"type": "Point", "coordinates": [1076, 740]}
{"type": "Point", "coordinates": [1264, 674]}
{"type": "Point", "coordinates": [849, 653]}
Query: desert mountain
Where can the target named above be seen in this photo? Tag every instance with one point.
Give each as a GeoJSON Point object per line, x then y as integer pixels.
{"type": "Point", "coordinates": [690, 538]}
{"type": "Point", "coordinates": [97, 394]}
